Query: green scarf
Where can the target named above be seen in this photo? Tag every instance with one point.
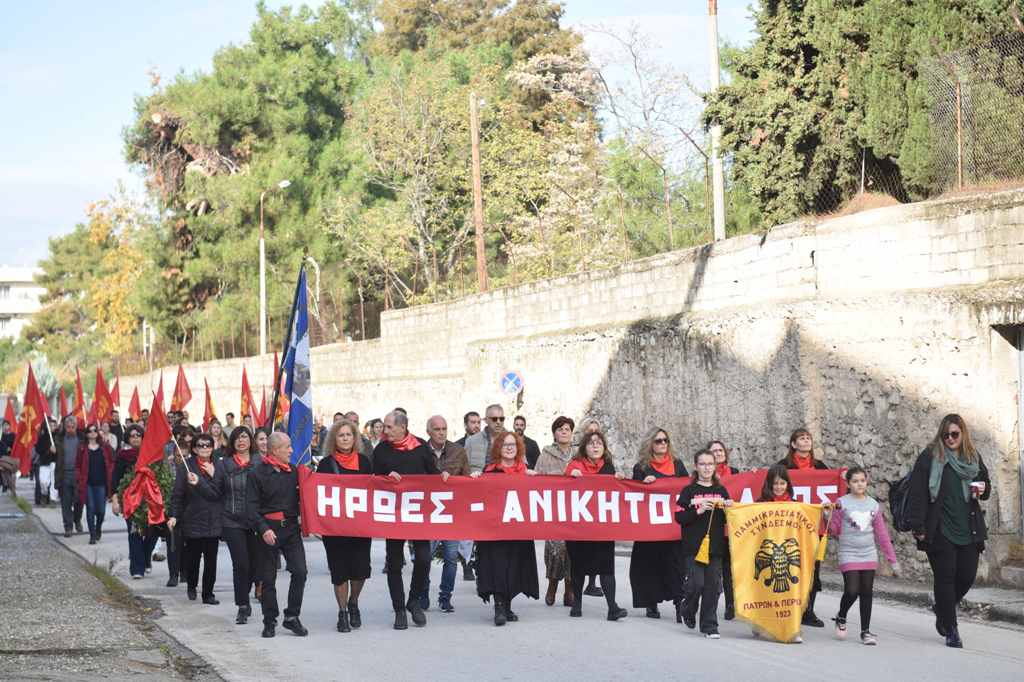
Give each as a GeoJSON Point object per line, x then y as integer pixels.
{"type": "Point", "coordinates": [966, 471]}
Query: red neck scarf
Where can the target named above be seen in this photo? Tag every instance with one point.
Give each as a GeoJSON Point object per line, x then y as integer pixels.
{"type": "Point", "coordinates": [782, 498]}
{"type": "Point", "coordinates": [348, 460]}
{"type": "Point", "coordinates": [410, 442]}
{"type": "Point", "coordinates": [272, 461]}
{"type": "Point", "coordinates": [199, 467]}
{"type": "Point", "coordinates": [723, 470]}
{"type": "Point", "coordinates": [666, 467]}
{"type": "Point", "coordinates": [588, 466]}
{"type": "Point", "coordinates": [518, 468]}
{"type": "Point", "coordinates": [802, 462]}
{"type": "Point", "coordinates": [239, 462]}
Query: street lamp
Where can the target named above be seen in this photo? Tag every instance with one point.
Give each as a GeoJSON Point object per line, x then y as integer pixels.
{"type": "Point", "coordinates": [284, 184]}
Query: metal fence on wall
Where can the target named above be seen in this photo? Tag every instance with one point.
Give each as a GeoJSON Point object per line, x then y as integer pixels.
{"type": "Point", "coordinates": [976, 98]}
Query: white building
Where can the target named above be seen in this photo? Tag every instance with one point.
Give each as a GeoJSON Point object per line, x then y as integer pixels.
{"type": "Point", "coordinates": [19, 299]}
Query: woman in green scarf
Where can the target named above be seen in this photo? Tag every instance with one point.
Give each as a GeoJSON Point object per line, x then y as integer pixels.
{"type": "Point", "coordinates": [944, 513]}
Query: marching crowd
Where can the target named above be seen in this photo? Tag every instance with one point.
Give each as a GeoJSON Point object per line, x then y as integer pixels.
{"type": "Point", "coordinates": [234, 483]}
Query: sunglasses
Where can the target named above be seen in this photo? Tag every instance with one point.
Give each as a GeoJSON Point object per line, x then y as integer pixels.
{"type": "Point", "coordinates": [497, 419]}
{"type": "Point", "coordinates": [949, 435]}
{"type": "Point", "coordinates": [661, 441]}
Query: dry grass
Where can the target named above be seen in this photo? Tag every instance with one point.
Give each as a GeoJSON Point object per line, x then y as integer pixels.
{"type": "Point", "coordinates": [865, 201]}
{"type": "Point", "coordinates": [981, 187]}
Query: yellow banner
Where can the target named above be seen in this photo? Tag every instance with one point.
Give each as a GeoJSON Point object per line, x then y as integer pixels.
{"type": "Point", "coordinates": [773, 547]}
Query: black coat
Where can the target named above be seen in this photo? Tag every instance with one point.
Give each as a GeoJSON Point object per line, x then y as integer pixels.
{"type": "Point", "coordinates": [656, 568]}
{"type": "Point", "coordinates": [271, 491]}
{"type": "Point", "coordinates": [924, 516]}
{"type": "Point", "coordinates": [532, 451]}
{"type": "Point", "coordinates": [419, 460]}
{"type": "Point", "coordinates": [695, 526]}
{"type": "Point", "coordinates": [329, 465]}
{"type": "Point", "coordinates": [233, 485]}
{"type": "Point", "coordinates": [198, 508]}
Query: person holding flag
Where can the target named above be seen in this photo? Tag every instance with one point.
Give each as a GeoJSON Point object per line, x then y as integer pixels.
{"type": "Point", "coordinates": [298, 380]}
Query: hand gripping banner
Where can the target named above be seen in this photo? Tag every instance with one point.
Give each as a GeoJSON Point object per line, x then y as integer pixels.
{"type": "Point", "coordinates": [500, 507]}
{"type": "Point", "coordinates": [773, 547]}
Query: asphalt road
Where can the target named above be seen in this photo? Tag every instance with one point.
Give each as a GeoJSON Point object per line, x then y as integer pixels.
{"type": "Point", "coordinates": [545, 644]}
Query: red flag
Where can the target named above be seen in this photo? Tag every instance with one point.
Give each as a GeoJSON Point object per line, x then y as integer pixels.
{"type": "Point", "coordinates": [63, 404]}
{"type": "Point", "coordinates": [102, 406]}
{"type": "Point", "coordinates": [115, 393]}
{"type": "Point", "coordinates": [283, 404]}
{"type": "Point", "coordinates": [261, 419]}
{"type": "Point", "coordinates": [144, 487]}
{"type": "Point", "coordinates": [182, 394]}
{"type": "Point", "coordinates": [208, 414]}
{"type": "Point", "coordinates": [32, 416]}
{"type": "Point", "coordinates": [247, 408]}
{"type": "Point", "coordinates": [134, 409]}
{"type": "Point", "coordinates": [9, 414]}
{"type": "Point", "coordinates": [78, 409]}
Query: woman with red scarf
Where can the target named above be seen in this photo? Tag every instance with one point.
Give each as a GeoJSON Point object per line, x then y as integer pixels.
{"type": "Point", "coordinates": [723, 470]}
{"type": "Point", "coordinates": [506, 568]}
{"type": "Point", "coordinates": [235, 466]}
{"type": "Point", "coordinates": [595, 557]}
{"type": "Point", "coordinates": [196, 501]}
{"type": "Point", "coordinates": [348, 558]}
{"type": "Point", "coordinates": [801, 456]}
{"type": "Point", "coordinates": [139, 546]}
{"type": "Point", "coordinates": [656, 568]}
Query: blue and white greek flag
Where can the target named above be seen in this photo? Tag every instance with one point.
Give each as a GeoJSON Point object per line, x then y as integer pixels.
{"type": "Point", "coordinates": [298, 384]}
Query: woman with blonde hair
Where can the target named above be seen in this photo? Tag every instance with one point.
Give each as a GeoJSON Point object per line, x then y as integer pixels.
{"type": "Point", "coordinates": [944, 513]}
{"type": "Point", "coordinates": [656, 568]}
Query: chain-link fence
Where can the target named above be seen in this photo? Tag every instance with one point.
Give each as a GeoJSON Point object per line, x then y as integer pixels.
{"type": "Point", "coordinates": [976, 98]}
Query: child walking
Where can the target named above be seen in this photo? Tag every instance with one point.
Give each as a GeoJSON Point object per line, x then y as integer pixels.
{"type": "Point", "coordinates": [858, 525]}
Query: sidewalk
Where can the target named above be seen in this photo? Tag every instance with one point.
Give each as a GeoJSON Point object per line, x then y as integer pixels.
{"type": "Point", "coordinates": [62, 621]}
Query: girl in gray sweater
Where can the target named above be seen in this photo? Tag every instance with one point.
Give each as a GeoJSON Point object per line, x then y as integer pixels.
{"type": "Point", "coordinates": [859, 526]}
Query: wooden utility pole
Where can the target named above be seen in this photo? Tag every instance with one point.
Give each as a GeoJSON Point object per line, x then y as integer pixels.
{"type": "Point", "coordinates": [717, 172]}
{"type": "Point", "coordinates": [478, 200]}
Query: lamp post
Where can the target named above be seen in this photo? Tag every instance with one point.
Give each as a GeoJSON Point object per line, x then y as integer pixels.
{"type": "Point", "coordinates": [284, 184]}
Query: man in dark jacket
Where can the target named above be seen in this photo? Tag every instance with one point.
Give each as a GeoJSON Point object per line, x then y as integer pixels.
{"type": "Point", "coordinates": [273, 503]}
{"type": "Point", "coordinates": [405, 454]}
{"type": "Point", "coordinates": [470, 425]}
{"type": "Point", "coordinates": [65, 450]}
{"type": "Point", "coordinates": [532, 449]}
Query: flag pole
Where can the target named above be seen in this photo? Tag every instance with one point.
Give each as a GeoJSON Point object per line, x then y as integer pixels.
{"type": "Point", "coordinates": [284, 355]}
{"type": "Point", "coordinates": [174, 440]}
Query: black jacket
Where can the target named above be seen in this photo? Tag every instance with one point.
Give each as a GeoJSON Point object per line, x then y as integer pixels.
{"type": "Point", "coordinates": [271, 490]}
{"type": "Point", "coordinates": [532, 451]}
{"type": "Point", "coordinates": [329, 465]}
{"type": "Point", "coordinates": [233, 486]}
{"type": "Point", "coordinates": [642, 472]}
{"type": "Point", "coordinates": [818, 464]}
{"type": "Point", "coordinates": [419, 460]}
{"type": "Point", "coordinates": [694, 525]}
{"type": "Point", "coordinates": [197, 507]}
{"type": "Point", "coordinates": [924, 516]}
{"type": "Point", "coordinates": [46, 457]}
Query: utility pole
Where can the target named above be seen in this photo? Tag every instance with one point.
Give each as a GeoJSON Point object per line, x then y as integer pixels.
{"type": "Point", "coordinates": [284, 184]}
{"type": "Point", "coordinates": [717, 173]}
{"type": "Point", "coordinates": [478, 200]}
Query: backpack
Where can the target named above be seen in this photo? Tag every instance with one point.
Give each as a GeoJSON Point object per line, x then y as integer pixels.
{"type": "Point", "coordinates": [899, 502]}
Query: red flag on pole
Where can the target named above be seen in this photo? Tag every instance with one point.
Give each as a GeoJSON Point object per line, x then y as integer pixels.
{"type": "Point", "coordinates": [9, 414]}
{"type": "Point", "coordinates": [115, 393]}
{"type": "Point", "coordinates": [134, 408]}
{"type": "Point", "coordinates": [208, 413]}
{"type": "Point", "coordinates": [102, 405]}
{"type": "Point", "coordinates": [182, 394]}
{"type": "Point", "coordinates": [283, 404]}
{"type": "Point", "coordinates": [63, 404]}
{"type": "Point", "coordinates": [261, 420]}
{"type": "Point", "coordinates": [247, 406]}
{"type": "Point", "coordinates": [78, 409]}
{"type": "Point", "coordinates": [32, 415]}
{"type": "Point", "coordinates": [144, 487]}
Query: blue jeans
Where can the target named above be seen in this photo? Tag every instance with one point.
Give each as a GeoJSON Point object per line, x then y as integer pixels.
{"type": "Point", "coordinates": [95, 507]}
{"type": "Point", "coordinates": [450, 557]}
{"type": "Point", "coordinates": [140, 548]}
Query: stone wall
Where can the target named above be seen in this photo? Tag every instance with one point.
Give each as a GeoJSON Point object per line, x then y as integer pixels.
{"type": "Point", "coordinates": [866, 329]}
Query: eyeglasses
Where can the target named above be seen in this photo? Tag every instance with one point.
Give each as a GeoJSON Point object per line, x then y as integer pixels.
{"type": "Point", "coordinates": [205, 446]}
{"type": "Point", "coordinates": [951, 435]}
{"type": "Point", "coordinates": [660, 441]}
{"type": "Point", "coordinates": [497, 419]}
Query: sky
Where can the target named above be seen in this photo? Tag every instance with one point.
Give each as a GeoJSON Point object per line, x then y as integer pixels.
{"type": "Point", "coordinates": [70, 73]}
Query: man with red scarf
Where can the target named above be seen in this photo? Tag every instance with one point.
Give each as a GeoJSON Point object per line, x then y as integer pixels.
{"type": "Point", "coordinates": [273, 503]}
{"type": "Point", "coordinates": [404, 454]}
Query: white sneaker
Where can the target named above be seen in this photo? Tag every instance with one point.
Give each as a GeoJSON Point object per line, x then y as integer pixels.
{"type": "Point", "coordinates": [712, 635]}
{"type": "Point", "coordinates": [136, 577]}
{"type": "Point", "coordinates": [869, 638]}
{"type": "Point", "coordinates": [798, 640]}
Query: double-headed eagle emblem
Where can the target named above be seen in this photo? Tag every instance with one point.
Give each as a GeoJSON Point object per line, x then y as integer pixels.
{"type": "Point", "coordinates": [779, 558]}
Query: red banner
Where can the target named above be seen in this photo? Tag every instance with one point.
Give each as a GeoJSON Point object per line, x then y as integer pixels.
{"type": "Point", "coordinates": [495, 507]}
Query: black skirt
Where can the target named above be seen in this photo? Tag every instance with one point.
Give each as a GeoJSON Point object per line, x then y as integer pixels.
{"type": "Point", "coordinates": [348, 558]}
{"type": "Point", "coordinates": [507, 568]}
{"type": "Point", "coordinates": [656, 572]}
{"type": "Point", "coordinates": [591, 557]}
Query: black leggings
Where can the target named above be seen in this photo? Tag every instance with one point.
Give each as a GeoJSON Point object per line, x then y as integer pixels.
{"type": "Point", "coordinates": [954, 568]}
{"type": "Point", "coordinates": [607, 584]}
{"type": "Point", "coordinates": [858, 584]}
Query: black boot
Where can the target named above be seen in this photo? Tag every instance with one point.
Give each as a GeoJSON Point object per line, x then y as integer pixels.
{"type": "Point", "coordinates": [343, 624]}
{"type": "Point", "coordinates": [592, 590]}
{"type": "Point", "coordinates": [268, 630]}
{"type": "Point", "coordinates": [243, 617]}
{"type": "Point", "coordinates": [616, 612]}
{"type": "Point", "coordinates": [809, 619]}
{"type": "Point", "coordinates": [172, 581]}
{"type": "Point", "coordinates": [679, 611]}
{"type": "Point", "coordinates": [355, 619]}
{"type": "Point", "coordinates": [653, 612]}
{"type": "Point", "coordinates": [510, 616]}
{"type": "Point", "coordinates": [401, 620]}
{"type": "Point", "coordinates": [295, 626]}
{"type": "Point", "coordinates": [419, 619]}
{"type": "Point", "coordinates": [953, 638]}
{"type": "Point", "coordinates": [939, 627]}
{"type": "Point", "coordinates": [499, 611]}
